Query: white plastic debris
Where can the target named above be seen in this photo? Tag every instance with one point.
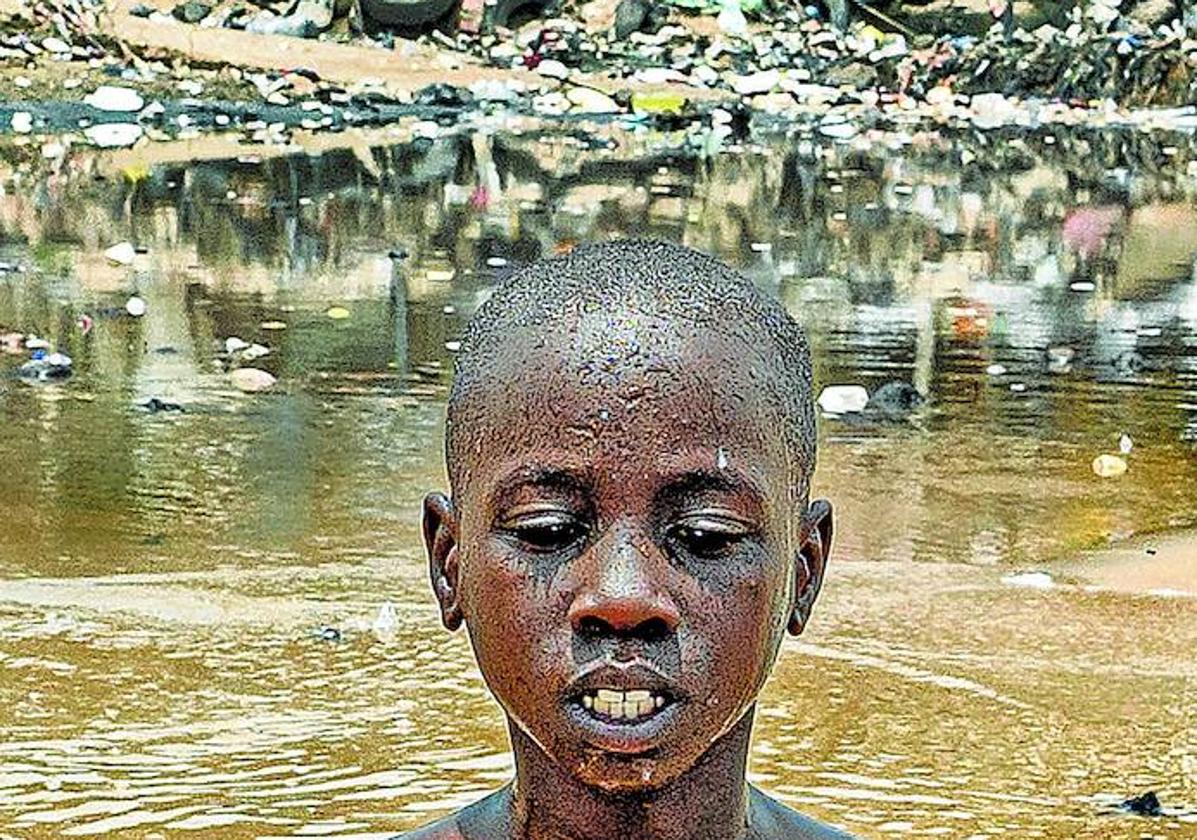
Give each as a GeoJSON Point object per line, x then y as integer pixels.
{"type": "Point", "coordinates": [122, 253]}
{"type": "Point", "coordinates": [113, 135]}
{"type": "Point", "coordinates": [386, 622]}
{"type": "Point", "coordinates": [992, 110]}
{"type": "Point", "coordinates": [22, 122]}
{"type": "Point", "coordinates": [839, 130]}
{"type": "Point", "coordinates": [755, 83]}
{"type": "Point", "coordinates": [135, 306]}
{"type": "Point", "coordinates": [113, 98]}
{"type": "Point", "coordinates": [1125, 444]}
{"type": "Point", "coordinates": [1109, 466]}
{"type": "Point", "coordinates": [731, 19]}
{"type": "Point", "coordinates": [1031, 580]}
{"type": "Point", "coordinates": [843, 399]}
{"type": "Point", "coordinates": [251, 380]}
{"type": "Point", "coordinates": [589, 101]}
{"type": "Point", "coordinates": [553, 68]}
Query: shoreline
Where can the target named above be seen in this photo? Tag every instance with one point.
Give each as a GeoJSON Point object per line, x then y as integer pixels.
{"type": "Point", "coordinates": [1163, 564]}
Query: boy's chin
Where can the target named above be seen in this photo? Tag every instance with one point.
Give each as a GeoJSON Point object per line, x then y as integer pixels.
{"type": "Point", "coordinates": [620, 775]}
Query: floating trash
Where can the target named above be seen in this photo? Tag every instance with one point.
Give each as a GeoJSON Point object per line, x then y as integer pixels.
{"type": "Point", "coordinates": [44, 367]}
{"type": "Point", "coordinates": [233, 344]}
{"type": "Point", "coordinates": [1145, 805]}
{"type": "Point", "coordinates": [385, 623]}
{"type": "Point", "coordinates": [1031, 580]}
{"type": "Point", "coordinates": [1125, 444]}
{"type": "Point", "coordinates": [843, 399]}
{"type": "Point", "coordinates": [251, 380]}
{"type": "Point", "coordinates": [1109, 466]}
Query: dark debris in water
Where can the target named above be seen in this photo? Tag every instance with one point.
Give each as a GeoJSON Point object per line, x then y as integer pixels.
{"type": "Point", "coordinates": [1144, 805]}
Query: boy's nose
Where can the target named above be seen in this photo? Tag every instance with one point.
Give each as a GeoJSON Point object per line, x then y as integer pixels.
{"type": "Point", "coordinates": [620, 597]}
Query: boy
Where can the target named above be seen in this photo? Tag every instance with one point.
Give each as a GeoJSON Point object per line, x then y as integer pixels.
{"type": "Point", "coordinates": [630, 441]}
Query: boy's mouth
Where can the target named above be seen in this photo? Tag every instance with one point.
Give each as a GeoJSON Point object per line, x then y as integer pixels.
{"type": "Point", "coordinates": [624, 707]}
{"type": "Point", "coordinates": [616, 705]}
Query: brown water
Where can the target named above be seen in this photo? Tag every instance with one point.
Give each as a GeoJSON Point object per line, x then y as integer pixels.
{"type": "Point", "coordinates": [169, 580]}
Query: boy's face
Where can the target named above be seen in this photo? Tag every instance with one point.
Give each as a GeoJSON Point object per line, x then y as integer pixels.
{"type": "Point", "coordinates": [624, 543]}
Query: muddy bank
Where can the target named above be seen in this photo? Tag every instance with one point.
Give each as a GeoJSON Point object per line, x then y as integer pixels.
{"type": "Point", "coordinates": [1157, 564]}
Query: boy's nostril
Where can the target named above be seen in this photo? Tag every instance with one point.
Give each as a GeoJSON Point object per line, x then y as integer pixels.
{"type": "Point", "coordinates": [594, 627]}
{"type": "Point", "coordinates": [653, 630]}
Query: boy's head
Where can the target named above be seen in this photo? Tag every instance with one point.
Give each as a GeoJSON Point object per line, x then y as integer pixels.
{"type": "Point", "coordinates": [630, 443]}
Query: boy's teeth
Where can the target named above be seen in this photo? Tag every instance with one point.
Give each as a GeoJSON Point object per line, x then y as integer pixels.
{"type": "Point", "coordinates": [622, 705]}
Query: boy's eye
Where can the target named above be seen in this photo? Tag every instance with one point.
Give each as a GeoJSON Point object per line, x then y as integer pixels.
{"type": "Point", "coordinates": [546, 532]}
{"type": "Point", "coordinates": [707, 536]}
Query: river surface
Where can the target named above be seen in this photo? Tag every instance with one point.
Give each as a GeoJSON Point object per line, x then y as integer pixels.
{"type": "Point", "coordinates": [188, 598]}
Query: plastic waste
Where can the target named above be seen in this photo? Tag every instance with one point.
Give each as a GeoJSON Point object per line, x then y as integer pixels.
{"type": "Point", "coordinates": [113, 98]}
{"type": "Point", "coordinates": [658, 103]}
{"type": "Point", "coordinates": [552, 68]}
{"type": "Point", "coordinates": [1032, 580]}
{"type": "Point", "coordinates": [44, 367]}
{"type": "Point", "coordinates": [590, 101]}
{"type": "Point", "coordinates": [251, 380]}
{"type": "Point", "coordinates": [1109, 466]}
{"type": "Point", "coordinates": [233, 344]}
{"type": "Point", "coordinates": [385, 623]}
{"type": "Point", "coordinates": [762, 82]}
{"type": "Point", "coordinates": [113, 135]}
{"type": "Point", "coordinates": [135, 306]}
{"type": "Point", "coordinates": [843, 399]}
{"type": "Point", "coordinates": [121, 253]}
{"type": "Point", "coordinates": [731, 19]}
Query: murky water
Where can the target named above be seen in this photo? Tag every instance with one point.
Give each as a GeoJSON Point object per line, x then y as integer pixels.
{"type": "Point", "coordinates": [172, 579]}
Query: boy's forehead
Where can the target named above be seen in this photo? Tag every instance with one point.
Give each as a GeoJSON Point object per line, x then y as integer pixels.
{"type": "Point", "coordinates": [620, 375]}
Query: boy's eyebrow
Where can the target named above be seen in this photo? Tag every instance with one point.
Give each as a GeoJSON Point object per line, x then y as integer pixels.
{"type": "Point", "coordinates": [536, 475]}
{"type": "Point", "coordinates": [703, 479]}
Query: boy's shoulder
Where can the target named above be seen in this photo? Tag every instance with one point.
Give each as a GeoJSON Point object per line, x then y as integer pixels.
{"type": "Point", "coordinates": [773, 819]}
{"type": "Point", "coordinates": [485, 819]}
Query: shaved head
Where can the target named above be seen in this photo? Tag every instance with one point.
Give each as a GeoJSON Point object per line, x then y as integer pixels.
{"type": "Point", "coordinates": [616, 318]}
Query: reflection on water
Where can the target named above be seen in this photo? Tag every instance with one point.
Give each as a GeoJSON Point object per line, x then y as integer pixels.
{"type": "Point", "coordinates": [168, 572]}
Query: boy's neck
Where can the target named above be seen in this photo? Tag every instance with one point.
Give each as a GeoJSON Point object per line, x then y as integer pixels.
{"type": "Point", "coordinates": [709, 801]}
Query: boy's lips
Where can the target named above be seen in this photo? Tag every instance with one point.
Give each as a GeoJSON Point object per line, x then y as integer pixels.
{"type": "Point", "coordinates": [622, 707]}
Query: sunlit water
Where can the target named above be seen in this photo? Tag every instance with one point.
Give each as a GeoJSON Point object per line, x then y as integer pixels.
{"type": "Point", "coordinates": [172, 580]}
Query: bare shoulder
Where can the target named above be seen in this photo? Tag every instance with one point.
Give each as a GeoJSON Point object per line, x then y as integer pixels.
{"type": "Point", "coordinates": [772, 820]}
{"type": "Point", "coordinates": [486, 819]}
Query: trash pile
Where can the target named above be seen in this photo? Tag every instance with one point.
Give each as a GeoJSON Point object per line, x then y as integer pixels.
{"type": "Point", "coordinates": [677, 60]}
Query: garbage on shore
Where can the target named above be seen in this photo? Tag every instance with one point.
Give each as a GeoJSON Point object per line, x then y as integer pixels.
{"type": "Point", "coordinates": [607, 58]}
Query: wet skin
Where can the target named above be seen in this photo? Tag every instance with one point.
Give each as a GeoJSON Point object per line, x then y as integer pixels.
{"type": "Point", "coordinates": [626, 518]}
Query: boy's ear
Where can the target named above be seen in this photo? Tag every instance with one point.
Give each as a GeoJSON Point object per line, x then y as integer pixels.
{"type": "Point", "coordinates": [440, 540]}
{"type": "Point", "coordinates": [812, 563]}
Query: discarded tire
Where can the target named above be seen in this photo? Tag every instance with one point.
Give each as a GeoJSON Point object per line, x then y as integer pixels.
{"type": "Point", "coordinates": [405, 12]}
